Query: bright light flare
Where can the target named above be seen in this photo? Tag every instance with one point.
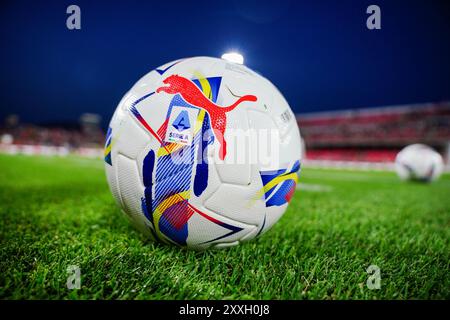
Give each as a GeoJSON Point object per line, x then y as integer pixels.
{"type": "Point", "coordinates": [233, 57]}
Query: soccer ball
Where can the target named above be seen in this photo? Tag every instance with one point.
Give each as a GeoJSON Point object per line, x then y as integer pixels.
{"type": "Point", "coordinates": [418, 162]}
{"type": "Point", "coordinates": [203, 153]}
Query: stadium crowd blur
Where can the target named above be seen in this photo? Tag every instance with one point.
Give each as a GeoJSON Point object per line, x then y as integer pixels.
{"type": "Point", "coordinates": [59, 138]}
{"type": "Point", "coordinates": [376, 134]}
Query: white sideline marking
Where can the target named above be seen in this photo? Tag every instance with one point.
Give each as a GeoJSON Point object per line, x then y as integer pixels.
{"type": "Point", "coordinates": [313, 187]}
{"type": "Point", "coordinates": [87, 162]}
{"type": "Point", "coordinates": [351, 176]}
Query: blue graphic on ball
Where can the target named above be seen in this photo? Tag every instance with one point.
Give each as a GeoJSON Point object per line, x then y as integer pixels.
{"type": "Point", "coordinates": [182, 123]}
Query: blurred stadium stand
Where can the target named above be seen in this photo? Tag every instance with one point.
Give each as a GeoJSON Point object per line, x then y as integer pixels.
{"type": "Point", "coordinates": [374, 135]}
{"type": "Point", "coordinates": [83, 138]}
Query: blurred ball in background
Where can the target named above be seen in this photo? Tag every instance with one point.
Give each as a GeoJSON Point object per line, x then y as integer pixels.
{"type": "Point", "coordinates": [419, 162]}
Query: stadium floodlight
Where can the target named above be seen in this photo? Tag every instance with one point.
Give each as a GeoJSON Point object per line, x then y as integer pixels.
{"type": "Point", "coordinates": [233, 57]}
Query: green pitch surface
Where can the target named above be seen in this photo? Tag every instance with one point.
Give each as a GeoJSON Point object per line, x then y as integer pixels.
{"type": "Point", "coordinates": [59, 212]}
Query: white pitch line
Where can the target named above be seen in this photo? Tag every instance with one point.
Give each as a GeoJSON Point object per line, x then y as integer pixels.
{"type": "Point", "coordinates": [313, 187]}
{"type": "Point", "coordinates": [350, 176]}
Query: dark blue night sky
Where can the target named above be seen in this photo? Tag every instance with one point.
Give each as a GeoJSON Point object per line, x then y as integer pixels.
{"type": "Point", "coordinates": [319, 53]}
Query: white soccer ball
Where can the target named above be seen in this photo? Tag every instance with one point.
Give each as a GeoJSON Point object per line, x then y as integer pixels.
{"type": "Point", "coordinates": [203, 153]}
{"type": "Point", "coordinates": [419, 162]}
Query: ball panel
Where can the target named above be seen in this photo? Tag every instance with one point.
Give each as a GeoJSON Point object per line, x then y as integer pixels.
{"type": "Point", "coordinates": [130, 188]}
{"type": "Point", "coordinates": [209, 228]}
{"type": "Point", "coordinates": [130, 138]}
{"type": "Point", "coordinates": [239, 203]}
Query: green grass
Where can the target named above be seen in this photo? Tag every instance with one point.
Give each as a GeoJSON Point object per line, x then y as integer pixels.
{"type": "Point", "coordinates": [59, 212]}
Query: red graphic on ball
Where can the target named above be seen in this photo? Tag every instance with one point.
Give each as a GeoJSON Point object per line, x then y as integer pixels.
{"type": "Point", "coordinates": [194, 96]}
